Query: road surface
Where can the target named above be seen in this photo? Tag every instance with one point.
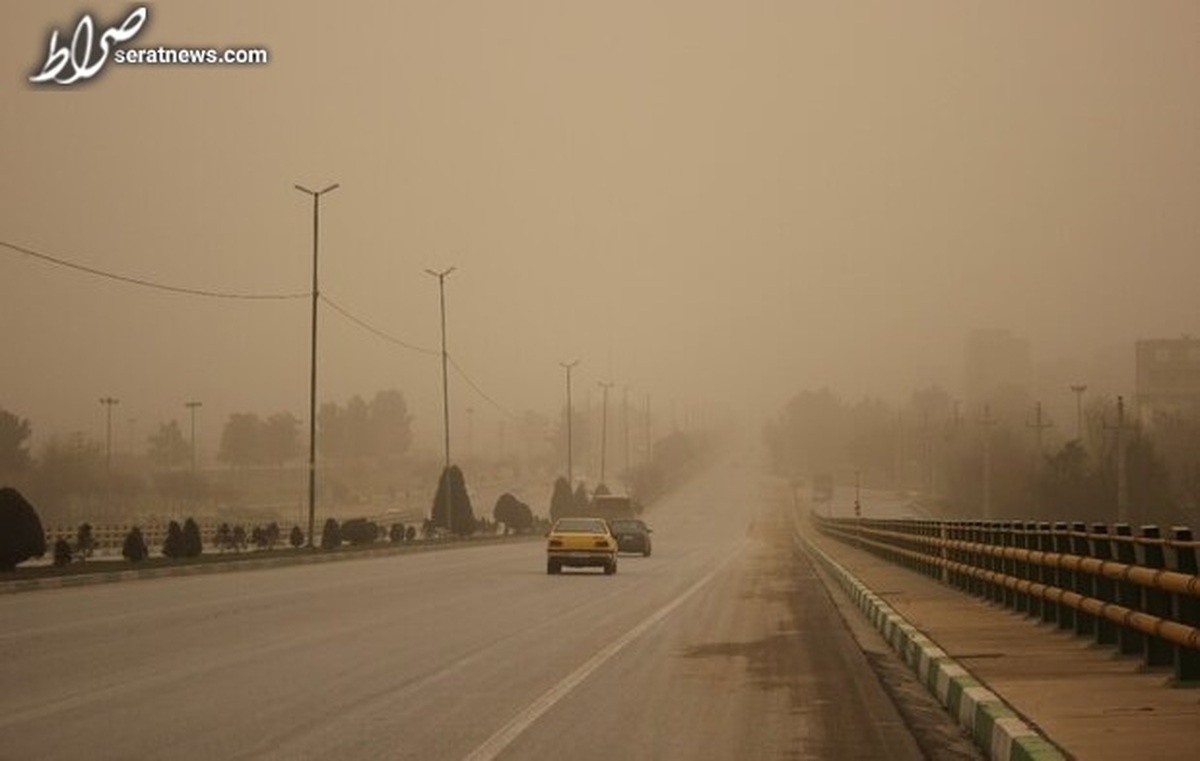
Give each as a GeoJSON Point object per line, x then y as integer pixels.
{"type": "Point", "coordinates": [722, 645]}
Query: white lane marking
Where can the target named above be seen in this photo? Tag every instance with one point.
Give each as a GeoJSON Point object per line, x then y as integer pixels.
{"type": "Point", "coordinates": [503, 737]}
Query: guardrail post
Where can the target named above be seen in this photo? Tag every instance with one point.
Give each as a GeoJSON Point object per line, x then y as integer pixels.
{"type": "Point", "coordinates": [1020, 568]}
{"type": "Point", "coordinates": [1066, 576]}
{"type": "Point", "coordinates": [943, 533]}
{"type": "Point", "coordinates": [1181, 558]}
{"type": "Point", "coordinates": [1049, 574]}
{"type": "Point", "coordinates": [1007, 564]}
{"type": "Point", "coordinates": [1033, 572]}
{"type": "Point", "coordinates": [1103, 588]}
{"type": "Point", "coordinates": [1129, 640]}
{"type": "Point", "coordinates": [1156, 602]}
{"type": "Point", "coordinates": [1085, 623]}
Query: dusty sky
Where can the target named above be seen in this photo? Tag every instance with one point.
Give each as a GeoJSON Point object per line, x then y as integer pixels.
{"type": "Point", "coordinates": [705, 201]}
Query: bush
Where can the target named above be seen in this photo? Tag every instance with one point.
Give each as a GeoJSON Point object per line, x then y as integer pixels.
{"type": "Point", "coordinates": [396, 533]}
{"type": "Point", "coordinates": [296, 538]}
{"type": "Point", "coordinates": [192, 545]}
{"type": "Point", "coordinates": [173, 546]}
{"type": "Point", "coordinates": [85, 544]}
{"type": "Point", "coordinates": [331, 535]}
{"type": "Point", "coordinates": [134, 550]}
{"type": "Point", "coordinates": [223, 539]}
{"type": "Point", "coordinates": [359, 531]}
{"type": "Point", "coordinates": [21, 533]}
{"type": "Point", "coordinates": [410, 533]}
{"type": "Point", "coordinates": [62, 553]}
{"type": "Point", "coordinates": [513, 513]}
{"type": "Point", "coordinates": [239, 537]}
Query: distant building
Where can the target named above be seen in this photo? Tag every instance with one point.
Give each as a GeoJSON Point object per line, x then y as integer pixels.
{"type": "Point", "coordinates": [1167, 377]}
{"type": "Point", "coordinates": [998, 364]}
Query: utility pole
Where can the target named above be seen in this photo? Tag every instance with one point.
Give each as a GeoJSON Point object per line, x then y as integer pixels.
{"type": "Point", "coordinates": [987, 421]}
{"type": "Point", "coordinates": [470, 434]}
{"type": "Point", "coordinates": [1079, 389]}
{"type": "Point", "coordinates": [1038, 426]}
{"type": "Point", "coordinates": [192, 408]}
{"type": "Point", "coordinates": [649, 440]}
{"type": "Point", "coordinates": [312, 382]}
{"type": "Point", "coordinates": [625, 425]}
{"type": "Point", "coordinates": [1122, 476]}
{"type": "Point", "coordinates": [570, 414]}
{"type": "Point", "coordinates": [605, 385]}
{"type": "Point", "coordinates": [108, 403]}
{"type": "Point", "coordinates": [441, 278]}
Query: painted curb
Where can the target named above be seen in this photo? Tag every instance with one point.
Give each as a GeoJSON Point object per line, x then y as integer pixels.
{"type": "Point", "coordinates": [996, 728]}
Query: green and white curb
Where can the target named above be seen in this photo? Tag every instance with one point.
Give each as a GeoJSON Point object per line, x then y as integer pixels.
{"type": "Point", "coordinates": [995, 726]}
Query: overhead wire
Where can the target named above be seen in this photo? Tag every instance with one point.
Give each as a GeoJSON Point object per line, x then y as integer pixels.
{"type": "Point", "coordinates": [149, 283]}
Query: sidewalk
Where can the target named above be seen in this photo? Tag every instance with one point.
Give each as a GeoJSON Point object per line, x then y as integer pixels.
{"type": "Point", "coordinates": [1090, 702]}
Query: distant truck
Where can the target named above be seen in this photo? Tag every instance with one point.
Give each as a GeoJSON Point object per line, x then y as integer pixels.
{"type": "Point", "coordinates": [612, 507]}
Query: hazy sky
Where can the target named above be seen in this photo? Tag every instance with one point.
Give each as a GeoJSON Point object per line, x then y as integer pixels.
{"type": "Point", "coordinates": [699, 200]}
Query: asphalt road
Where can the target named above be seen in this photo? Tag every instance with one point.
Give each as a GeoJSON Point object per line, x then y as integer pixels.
{"type": "Point", "coordinates": [722, 645]}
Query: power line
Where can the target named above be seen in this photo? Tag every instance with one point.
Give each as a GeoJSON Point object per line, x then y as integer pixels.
{"type": "Point", "coordinates": [479, 391]}
{"type": "Point", "coordinates": [150, 284]}
{"type": "Point", "coordinates": [376, 331]}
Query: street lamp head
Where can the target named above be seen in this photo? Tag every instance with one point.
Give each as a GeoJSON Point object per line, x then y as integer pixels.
{"type": "Point", "coordinates": [315, 193]}
{"type": "Point", "coordinates": [442, 274]}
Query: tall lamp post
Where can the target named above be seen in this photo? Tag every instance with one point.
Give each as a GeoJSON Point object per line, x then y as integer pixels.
{"type": "Point", "coordinates": [192, 407]}
{"type": "Point", "coordinates": [312, 384]}
{"type": "Point", "coordinates": [441, 278]}
{"type": "Point", "coordinates": [570, 414]}
{"type": "Point", "coordinates": [605, 385]}
{"type": "Point", "coordinates": [108, 403]}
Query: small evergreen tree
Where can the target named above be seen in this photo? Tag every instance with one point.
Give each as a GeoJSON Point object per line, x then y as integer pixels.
{"type": "Point", "coordinates": [192, 544]}
{"type": "Point", "coordinates": [134, 550]}
{"type": "Point", "coordinates": [561, 501]}
{"type": "Point", "coordinates": [296, 538]}
{"type": "Point", "coordinates": [173, 546]}
{"type": "Point", "coordinates": [272, 535]}
{"type": "Point", "coordinates": [62, 553]}
{"type": "Point", "coordinates": [582, 499]}
{"type": "Point", "coordinates": [463, 516]}
{"type": "Point", "coordinates": [396, 533]}
{"type": "Point", "coordinates": [85, 544]}
{"type": "Point", "coordinates": [223, 538]}
{"type": "Point", "coordinates": [410, 533]}
{"type": "Point", "coordinates": [239, 537]}
{"type": "Point", "coordinates": [331, 535]}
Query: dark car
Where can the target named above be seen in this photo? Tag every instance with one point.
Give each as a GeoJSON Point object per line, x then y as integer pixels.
{"type": "Point", "coordinates": [632, 535]}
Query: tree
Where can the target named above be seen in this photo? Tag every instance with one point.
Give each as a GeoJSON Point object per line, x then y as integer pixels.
{"type": "Point", "coordinates": [173, 546]}
{"type": "Point", "coordinates": [240, 440]}
{"type": "Point", "coordinates": [280, 439]}
{"type": "Point", "coordinates": [14, 435]}
{"type": "Point", "coordinates": [296, 538]}
{"type": "Point", "coordinates": [331, 535]}
{"type": "Point", "coordinates": [21, 533]}
{"type": "Point", "coordinates": [513, 513]}
{"type": "Point", "coordinates": [390, 424]}
{"type": "Point", "coordinates": [134, 549]}
{"type": "Point", "coordinates": [561, 501]}
{"type": "Point", "coordinates": [582, 499]}
{"type": "Point", "coordinates": [62, 553]}
{"type": "Point", "coordinates": [85, 543]}
{"type": "Point", "coordinates": [223, 538]}
{"type": "Point", "coordinates": [167, 447]}
{"type": "Point", "coordinates": [463, 523]}
{"type": "Point", "coordinates": [193, 545]}
{"type": "Point", "coordinates": [239, 537]}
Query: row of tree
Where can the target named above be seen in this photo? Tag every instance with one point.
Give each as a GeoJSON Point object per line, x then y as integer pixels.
{"type": "Point", "coordinates": [997, 456]}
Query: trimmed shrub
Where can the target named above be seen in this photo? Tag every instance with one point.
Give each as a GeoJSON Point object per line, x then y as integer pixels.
{"type": "Point", "coordinates": [173, 546]}
{"type": "Point", "coordinates": [359, 531]}
{"type": "Point", "coordinates": [410, 533]}
{"type": "Point", "coordinates": [396, 533]}
{"type": "Point", "coordinates": [561, 501]}
{"type": "Point", "coordinates": [192, 545]}
{"type": "Point", "coordinates": [134, 550]}
{"type": "Point", "coordinates": [331, 535]}
{"type": "Point", "coordinates": [85, 544]}
{"type": "Point", "coordinates": [223, 538]}
{"type": "Point", "coordinates": [21, 533]}
{"type": "Point", "coordinates": [513, 513]}
{"type": "Point", "coordinates": [62, 553]}
{"type": "Point", "coordinates": [296, 538]}
{"type": "Point", "coordinates": [459, 506]}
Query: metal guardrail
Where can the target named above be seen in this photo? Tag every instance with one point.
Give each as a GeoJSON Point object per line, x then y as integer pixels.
{"type": "Point", "coordinates": [1139, 593]}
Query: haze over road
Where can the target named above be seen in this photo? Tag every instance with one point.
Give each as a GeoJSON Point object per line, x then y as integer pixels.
{"type": "Point", "coordinates": [721, 645]}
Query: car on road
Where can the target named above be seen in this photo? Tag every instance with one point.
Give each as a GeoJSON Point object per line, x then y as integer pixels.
{"type": "Point", "coordinates": [632, 535]}
{"type": "Point", "coordinates": [581, 543]}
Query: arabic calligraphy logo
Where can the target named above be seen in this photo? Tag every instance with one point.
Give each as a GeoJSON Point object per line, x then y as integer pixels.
{"type": "Point", "coordinates": [68, 64]}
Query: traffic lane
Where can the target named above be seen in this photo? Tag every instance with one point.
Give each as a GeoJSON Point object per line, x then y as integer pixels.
{"type": "Point", "coordinates": [380, 658]}
{"type": "Point", "coordinates": [757, 664]}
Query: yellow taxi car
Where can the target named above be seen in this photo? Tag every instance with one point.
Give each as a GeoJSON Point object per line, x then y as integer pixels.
{"type": "Point", "coordinates": [581, 543]}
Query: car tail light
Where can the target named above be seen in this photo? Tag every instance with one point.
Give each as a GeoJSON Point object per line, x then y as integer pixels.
{"type": "Point", "coordinates": [602, 543]}
{"type": "Point", "coordinates": [556, 543]}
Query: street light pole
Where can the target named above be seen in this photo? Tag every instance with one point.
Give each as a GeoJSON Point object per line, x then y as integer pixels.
{"type": "Point", "coordinates": [192, 406]}
{"type": "Point", "coordinates": [605, 385]}
{"type": "Point", "coordinates": [312, 384]}
{"type": "Point", "coordinates": [108, 403]}
{"type": "Point", "coordinates": [441, 278]}
{"type": "Point", "coordinates": [570, 414]}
